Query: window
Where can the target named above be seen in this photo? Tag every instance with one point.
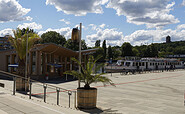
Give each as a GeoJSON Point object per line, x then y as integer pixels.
{"type": "Point", "coordinates": [127, 63]}
{"type": "Point", "coordinates": [34, 63]}
{"type": "Point", "coordinates": [134, 63]}
{"type": "Point", "coordinates": [143, 64]}
{"type": "Point", "coordinates": [137, 64]}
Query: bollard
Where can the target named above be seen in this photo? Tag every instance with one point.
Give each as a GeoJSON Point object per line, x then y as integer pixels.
{"type": "Point", "coordinates": [69, 93]}
{"type": "Point", "coordinates": [30, 89]}
{"type": "Point", "coordinates": [58, 90]}
{"type": "Point", "coordinates": [45, 86]}
{"type": "Point", "coordinates": [14, 85]}
{"type": "Point", "coordinates": [75, 100]}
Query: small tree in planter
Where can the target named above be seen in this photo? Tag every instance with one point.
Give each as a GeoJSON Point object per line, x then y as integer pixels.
{"type": "Point", "coordinates": [87, 96]}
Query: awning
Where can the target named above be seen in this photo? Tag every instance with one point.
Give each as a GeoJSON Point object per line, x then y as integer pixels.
{"type": "Point", "coordinates": [55, 65]}
{"type": "Point", "coordinates": [13, 65]}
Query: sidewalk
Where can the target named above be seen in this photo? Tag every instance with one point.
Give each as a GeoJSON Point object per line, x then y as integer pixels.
{"type": "Point", "coordinates": [10, 104]}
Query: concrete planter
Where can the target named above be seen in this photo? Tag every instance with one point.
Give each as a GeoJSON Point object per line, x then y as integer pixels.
{"type": "Point", "coordinates": [86, 98]}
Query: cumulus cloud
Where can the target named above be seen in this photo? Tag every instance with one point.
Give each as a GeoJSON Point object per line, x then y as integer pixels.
{"type": "Point", "coordinates": [11, 10]}
{"type": "Point", "coordinates": [78, 7]}
{"type": "Point", "coordinates": [182, 26]}
{"type": "Point", "coordinates": [93, 26]}
{"type": "Point", "coordinates": [63, 31]}
{"type": "Point", "coordinates": [112, 36]}
{"type": "Point", "coordinates": [183, 2]}
{"type": "Point", "coordinates": [152, 13]}
{"type": "Point", "coordinates": [7, 31]}
{"type": "Point", "coordinates": [102, 25]}
{"type": "Point", "coordinates": [147, 36]}
{"type": "Point", "coordinates": [30, 25]}
{"type": "Point", "coordinates": [66, 22]}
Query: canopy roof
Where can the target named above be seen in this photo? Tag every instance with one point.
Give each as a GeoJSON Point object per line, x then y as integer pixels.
{"type": "Point", "coordinates": [59, 50]}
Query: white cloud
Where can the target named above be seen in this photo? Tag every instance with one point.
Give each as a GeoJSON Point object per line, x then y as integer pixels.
{"type": "Point", "coordinates": [30, 25]}
{"type": "Point", "coordinates": [182, 26]}
{"type": "Point", "coordinates": [7, 31]}
{"type": "Point", "coordinates": [93, 26]}
{"type": "Point", "coordinates": [78, 7]}
{"type": "Point", "coordinates": [66, 22]}
{"type": "Point", "coordinates": [183, 2]}
{"type": "Point", "coordinates": [102, 25]}
{"type": "Point", "coordinates": [63, 31]}
{"type": "Point", "coordinates": [111, 36]}
{"type": "Point", "coordinates": [152, 13]}
{"type": "Point", "coordinates": [147, 36]}
{"type": "Point", "coordinates": [11, 10]}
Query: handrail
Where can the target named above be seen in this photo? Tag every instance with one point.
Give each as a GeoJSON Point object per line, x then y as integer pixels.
{"type": "Point", "coordinates": [15, 75]}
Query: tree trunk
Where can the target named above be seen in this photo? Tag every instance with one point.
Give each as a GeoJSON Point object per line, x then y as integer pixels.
{"type": "Point", "coordinates": [21, 68]}
{"type": "Point", "coordinates": [21, 83]}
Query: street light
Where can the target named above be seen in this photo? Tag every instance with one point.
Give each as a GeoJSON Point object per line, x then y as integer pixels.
{"type": "Point", "coordinates": [76, 36]}
{"type": "Point", "coordinates": [26, 60]}
{"type": "Point", "coordinates": [111, 65]}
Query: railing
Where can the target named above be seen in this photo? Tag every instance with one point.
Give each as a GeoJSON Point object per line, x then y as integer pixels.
{"type": "Point", "coordinates": [40, 91]}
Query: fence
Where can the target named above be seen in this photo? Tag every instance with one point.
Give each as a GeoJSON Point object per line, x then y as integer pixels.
{"type": "Point", "coordinates": [40, 91]}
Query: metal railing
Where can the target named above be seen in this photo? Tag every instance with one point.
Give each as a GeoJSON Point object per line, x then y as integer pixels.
{"type": "Point", "coordinates": [48, 93]}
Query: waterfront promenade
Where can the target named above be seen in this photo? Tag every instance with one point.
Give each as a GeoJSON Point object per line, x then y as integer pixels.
{"type": "Point", "coordinates": [148, 93]}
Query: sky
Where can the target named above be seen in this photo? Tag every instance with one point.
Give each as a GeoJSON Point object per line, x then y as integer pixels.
{"type": "Point", "coordinates": [116, 21]}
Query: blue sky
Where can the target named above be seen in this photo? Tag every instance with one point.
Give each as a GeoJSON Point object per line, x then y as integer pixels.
{"type": "Point", "coordinates": [117, 21]}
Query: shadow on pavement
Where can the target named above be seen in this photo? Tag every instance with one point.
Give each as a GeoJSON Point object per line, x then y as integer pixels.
{"type": "Point", "coordinates": [59, 80]}
{"type": "Point", "coordinates": [100, 111]}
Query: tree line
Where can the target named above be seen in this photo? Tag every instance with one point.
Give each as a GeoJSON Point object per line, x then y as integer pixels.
{"type": "Point", "coordinates": [115, 52]}
{"type": "Point", "coordinates": [118, 52]}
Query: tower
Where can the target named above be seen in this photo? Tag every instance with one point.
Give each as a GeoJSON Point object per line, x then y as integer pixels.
{"type": "Point", "coordinates": [168, 39]}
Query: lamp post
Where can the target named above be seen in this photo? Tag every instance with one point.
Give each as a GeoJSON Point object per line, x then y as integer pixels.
{"type": "Point", "coordinates": [26, 61]}
{"type": "Point", "coordinates": [111, 65]}
{"type": "Point", "coordinates": [80, 35]}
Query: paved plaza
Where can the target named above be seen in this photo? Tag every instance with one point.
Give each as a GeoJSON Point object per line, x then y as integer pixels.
{"type": "Point", "coordinates": [148, 93]}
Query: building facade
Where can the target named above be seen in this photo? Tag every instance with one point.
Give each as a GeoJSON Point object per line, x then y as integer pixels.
{"type": "Point", "coordinates": [4, 43]}
{"type": "Point", "coordinates": [44, 59]}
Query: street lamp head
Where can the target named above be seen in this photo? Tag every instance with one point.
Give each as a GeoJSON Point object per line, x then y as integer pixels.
{"type": "Point", "coordinates": [75, 35]}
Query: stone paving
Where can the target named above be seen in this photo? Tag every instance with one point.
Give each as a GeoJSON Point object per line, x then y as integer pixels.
{"type": "Point", "coordinates": [149, 93]}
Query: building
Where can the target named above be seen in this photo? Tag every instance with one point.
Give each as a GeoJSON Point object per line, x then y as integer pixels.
{"type": "Point", "coordinates": [168, 39]}
{"type": "Point", "coordinates": [4, 43]}
{"type": "Point", "coordinates": [44, 59]}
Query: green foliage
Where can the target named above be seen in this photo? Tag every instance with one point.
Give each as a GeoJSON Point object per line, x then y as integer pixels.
{"type": "Point", "coordinates": [105, 49]}
{"type": "Point", "coordinates": [97, 43]}
{"type": "Point", "coordinates": [75, 45]}
{"type": "Point", "coordinates": [110, 55]}
{"type": "Point", "coordinates": [126, 49]}
{"type": "Point", "coordinates": [99, 52]}
{"type": "Point", "coordinates": [19, 42]}
{"type": "Point", "coordinates": [87, 76]}
{"type": "Point", "coordinates": [116, 52]}
{"type": "Point", "coordinates": [53, 37]}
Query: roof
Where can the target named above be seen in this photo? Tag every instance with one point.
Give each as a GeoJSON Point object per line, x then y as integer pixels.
{"type": "Point", "coordinates": [59, 50]}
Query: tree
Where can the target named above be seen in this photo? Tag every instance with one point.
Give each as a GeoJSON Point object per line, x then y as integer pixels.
{"type": "Point", "coordinates": [99, 52]}
{"type": "Point", "coordinates": [154, 51]}
{"type": "Point", "coordinates": [126, 49]}
{"type": "Point", "coordinates": [105, 49]}
{"type": "Point", "coordinates": [19, 44]}
{"type": "Point", "coordinates": [110, 55]}
{"type": "Point", "coordinates": [75, 45]}
{"type": "Point", "coordinates": [53, 37]}
{"type": "Point", "coordinates": [97, 43]}
{"type": "Point", "coordinates": [87, 76]}
{"type": "Point", "coordinates": [116, 52]}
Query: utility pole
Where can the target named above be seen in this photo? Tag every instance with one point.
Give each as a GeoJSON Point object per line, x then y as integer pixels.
{"type": "Point", "coordinates": [80, 35]}
{"type": "Point", "coordinates": [26, 72]}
